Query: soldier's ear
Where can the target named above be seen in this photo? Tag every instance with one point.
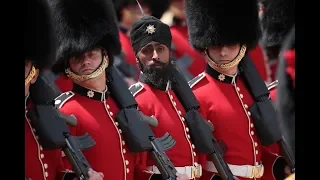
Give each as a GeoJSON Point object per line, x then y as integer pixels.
{"type": "Point", "coordinates": [35, 77]}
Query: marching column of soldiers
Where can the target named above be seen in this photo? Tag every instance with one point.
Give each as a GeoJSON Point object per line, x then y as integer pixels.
{"type": "Point", "coordinates": [170, 89]}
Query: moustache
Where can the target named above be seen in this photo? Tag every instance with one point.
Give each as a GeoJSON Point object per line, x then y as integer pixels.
{"type": "Point", "coordinates": [158, 63]}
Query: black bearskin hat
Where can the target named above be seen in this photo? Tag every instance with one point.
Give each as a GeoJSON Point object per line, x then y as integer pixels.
{"type": "Point", "coordinates": [82, 25]}
{"type": "Point", "coordinates": [39, 39]}
{"type": "Point", "coordinates": [221, 22]}
{"type": "Point", "coordinates": [156, 7]}
{"type": "Point", "coordinates": [276, 22]}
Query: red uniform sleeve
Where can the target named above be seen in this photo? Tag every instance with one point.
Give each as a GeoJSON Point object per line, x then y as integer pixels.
{"type": "Point", "coordinates": [274, 165]}
{"type": "Point", "coordinates": [141, 171]}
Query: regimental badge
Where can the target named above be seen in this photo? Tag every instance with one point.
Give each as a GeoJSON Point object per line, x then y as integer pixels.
{"type": "Point", "coordinates": [221, 77]}
{"type": "Point", "coordinates": [90, 94]}
{"type": "Point", "coordinates": [150, 29]}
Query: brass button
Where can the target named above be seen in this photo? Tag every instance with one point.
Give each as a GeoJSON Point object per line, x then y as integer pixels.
{"type": "Point", "coordinates": [127, 162]}
{"type": "Point", "coordinates": [245, 106]}
{"type": "Point", "coordinates": [241, 96]}
{"type": "Point", "coordinates": [251, 125]}
{"type": "Point", "coordinates": [111, 114]}
{"type": "Point", "coordinates": [238, 89]}
{"type": "Point", "coordinates": [192, 146]}
{"type": "Point", "coordinates": [124, 151]}
{"type": "Point", "coordinates": [41, 148]}
{"type": "Point", "coordinates": [249, 113]}
{"type": "Point", "coordinates": [171, 97]}
{"type": "Point", "coordinates": [188, 136]}
{"type": "Point", "coordinates": [41, 156]}
{"type": "Point", "coordinates": [120, 131]}
{"type": "Point", "coordinates": [46, 174]}
{"type": "Point", "coordinates": [174, 103]}
{"type": "Point", "coordinates": [194, 154]}
{"type": "Point", "coordinates": [252, 133]}
{"type": "Point", "coordinates": [34, 130]}
{"type": "Point", "coordinates": [182, 119]}
{"type": "Point", "coordinates": [187, 129]}
{"type": "Point", "coordinates": [116, 123]}
{"type": "Point", "coordinates": [123, 143]}
{"type": "Point", "coordinates": [256, 151]}
{"type": "Point", "coordinates": [179, 112]}
{"type": "Point", "coordinates": [45, 166]}
{"type": "Point", "coordinates": [108, 107]}
{"type": "Point", "coordinates": [255, 144]}
{"type": "Point", "coordinates": [128, 170]}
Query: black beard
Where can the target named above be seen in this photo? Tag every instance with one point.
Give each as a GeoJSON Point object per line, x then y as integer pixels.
{"type": "Point", "coordinates": [157, 77]}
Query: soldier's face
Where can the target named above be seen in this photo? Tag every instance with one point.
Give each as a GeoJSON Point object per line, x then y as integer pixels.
{"type": "Point", "coordinates": [87, 63]}
{"type": "Point", "coordinates": [223, 54]}
{"type": "Point", "coordinates": [154, 54]}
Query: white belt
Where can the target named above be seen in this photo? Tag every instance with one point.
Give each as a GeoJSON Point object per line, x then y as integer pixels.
{"type": "Point", "coordinates": [190, 171]}
{"type": "Point", "coordinates": [246, 171]}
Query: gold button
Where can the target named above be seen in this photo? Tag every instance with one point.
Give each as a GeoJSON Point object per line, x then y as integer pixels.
{"type": "Point", "coordinates": [255, 144]}
{"type": "Point", "coordinates": [251, 125]}
{"type": "Point", "coordinates": [187, 129]}
{"type": "Point", "coordinates": [174, 103]}
{"type": "Point", "coordinates": [245, 106]}
{"type": "Point", "coordinates": [124, 151]}
{"type": "Point", "coordinates": [45, 166]}
{"type": "Point", "coordinates": [116, 123]}
{"type": "Point", "coordinates": [108, 107]}
{"type": "Point", "coordinates": [194, 154]}
{"type": "Point", "coordinates": [241, 96]}
{"type": "Point", "coordinates": [111, 114]}
{"type": "Point", "coordinates": [123, 143]}
{"type": "Point", "coordinates": [192, 146]}
{"type": "Point", "coordinates": [179, 112]}
{"type": "Point", "coordinates": [249, 113]}
{"type": "Point", "coordinates": [46, 174]}
{"type": "Point", "coordinates": [252, 133]}
{"type": "Point", "coordinates": [182, 119]}
{"type": "Point", "coordinates": [42, 156]}
{"type": "Point", "coordinates": [127, 162]}
{"type": "Point", "coordinates": [188, 136]}
{"type": "Point", "coordinates": [238, 89]}
{"type": "Point", "coordinates": [171, 97]}
{"type": "Point", "coordinates": [256, 163]}
{"type": "Point", "coordinates": [120, 131]}
{"type": "Point", "coordinates": [34, 130]}
{"type": "Point", "coordinates": [37, 137]}
{"type": "Point", "coordinates": [256, 151]}
{"type": "Point", "coordinates": [41, 148]}
{"type": "Point", "coordinates": [128, 170]}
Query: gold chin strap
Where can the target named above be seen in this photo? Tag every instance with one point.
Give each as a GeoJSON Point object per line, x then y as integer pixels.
{"type": "Point", "coordinates": [231, 64]}
{"type": "Point", "coordinates": [30, 76]}
{"type": "Point", "coordinates": [95, 74]}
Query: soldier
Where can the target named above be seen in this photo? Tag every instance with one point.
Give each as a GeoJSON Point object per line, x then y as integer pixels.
{"type": "Point", "coordinates": [151, 41]}
{"type": "Point", "coordinates": [276, 22]}
{"type": "Point", "coordinates": [88, 37]}
{"type": "Point", "coordinates": [232, 95]}
{"type": "Point", "coordinates": [39, 54]}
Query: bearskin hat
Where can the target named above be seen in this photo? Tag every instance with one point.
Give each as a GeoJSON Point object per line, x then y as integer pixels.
{"type": "Point", "coordinates": [221, 22]}
{"type": "Point", "coordinates": [276, 21]}
{"type": "Point", "coordinates": [82, 25]}
{"type": "Point", "coordinates": [39, 39]}
{"type": "Point", "coordinates": [157, 7]}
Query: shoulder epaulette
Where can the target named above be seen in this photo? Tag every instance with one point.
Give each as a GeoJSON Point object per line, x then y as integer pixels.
{"type": "Point", "coordinates": [196, 79]}
{"type": "Point", "coordinates": [136, 88]}
{"type": "Point", "coordinates": [272, 85]}
{"type": "Point", "coordinates": [62, 98]}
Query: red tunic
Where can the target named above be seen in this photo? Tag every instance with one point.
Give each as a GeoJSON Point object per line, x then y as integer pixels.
{"type": "Point", "coordinates": [95, 116]}
{"type": "Point", "coordinates": [64, 83]}
{"type": "Point", "coordinates": [169, 112]}
{"type": "Point", "coordinates": [181, 47]}
{"type": "Point", "coordinates": [40, 164]}
{"type": "Point", "coordinates": [226, 106]}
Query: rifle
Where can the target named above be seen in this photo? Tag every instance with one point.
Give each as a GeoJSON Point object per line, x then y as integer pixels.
{"type": "Point", "coordinates": [200, 133]}
{"type": "Point", "coordinates": [52, 129]}
{"type": "Point", "coordinates": [137, 133]}
{"type": "Point", "coordinates": [284, 147]}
